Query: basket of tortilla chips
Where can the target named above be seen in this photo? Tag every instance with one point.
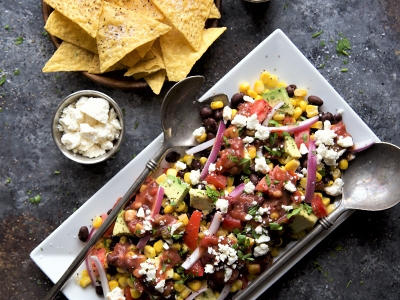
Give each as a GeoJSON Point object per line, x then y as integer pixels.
{"type": "Point", "coordinates": [130, 44]}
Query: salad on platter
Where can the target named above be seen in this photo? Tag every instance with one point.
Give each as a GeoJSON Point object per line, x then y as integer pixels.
{"type": "Point", "coordinates": [267, 167]}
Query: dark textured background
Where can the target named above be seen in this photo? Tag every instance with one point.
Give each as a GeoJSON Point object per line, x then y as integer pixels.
{"type": "Point", "coordinates": [360, 260]}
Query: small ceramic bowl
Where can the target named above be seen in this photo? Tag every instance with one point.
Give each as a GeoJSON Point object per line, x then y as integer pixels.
{"type": "Point", "coordinates": [57, 134]}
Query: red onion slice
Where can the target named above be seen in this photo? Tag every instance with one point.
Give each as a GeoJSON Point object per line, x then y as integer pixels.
{"type": "Point", "coordinates": [361, 146]}
{"type": "Point", "coordinates": [215, 223]}
{"type": "Point", "coordinates": [196, 293]}
{"type": "Point", "coordinates": [157, 205]}
{"type": "Point", "coordinates": [143, 241]}
{"type": "Point", "coordinates": [237, 191]}
{"type": "Point", "coordinates": [214, 150]}
{"type": "Point", "coordinates": [102, 274]}
{"type": "Point", "coordinates": [201, 147]}
{"type": "Point", "coordinates": [225, 291]}
{"type": "Point", "coordinates": [271, 113]}
{"type": "Point", "coordinates": [293, 128]}
{"type": "Point", "coordinates": [88, 263]}
{"type": "Point", "coordinates": [311, 171]}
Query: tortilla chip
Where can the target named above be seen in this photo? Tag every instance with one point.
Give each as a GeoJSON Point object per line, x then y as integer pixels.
{"type": "Point", "coordinates": [142, 7]}
{"type": "Point", "coordinates": [144, 49]}
{"type": "Point", "coordinates": [131, 59]}
{"type": "Point", "coordinates": [156, 80]}
{"type": "Point", "coordinates": [63, 28]}
{"type": "Point", "coordinates": [69, 57]}
{"type": "Point", "coordinates": [85, 13]}
{"type": "Point", "coordinates": [188, 17]}
{"type": "Point", "coordinates": [179, 56]}
{"type": "Point", "coordinates": [121, 31]}
{"type": "Point", "coordinates": [95, 66]}
{"type": "Point", "coordinates": [214, 12]}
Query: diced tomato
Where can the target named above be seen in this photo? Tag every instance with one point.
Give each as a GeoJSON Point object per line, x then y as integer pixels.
{"type": "Point", "coordinates": [261, 108]}
{"type": "Point", "coordinates": [318, 207]}
{"type": "Point", "coordinates": [340, 129]}
{"type": "Point", "coordinates": [209, 240]}
{"type": "Point", "coordinates": [288, 120]}
{"type": "Point", "coordinates": [230, 223]}
{"type": "Point", "coordinates": [109, 232]}
{"type": "Point", "coordinates": [127, 293]}
{"type": "Point", "coordinates": [192, 230]}
{"type": "Point", "coordinates": [296, 197]}
{"type": "Point", "coordinates": [101, 255]}
{"type": "Point", "coordinates": [218, 180]}
{"type": "Point", "coordinates": [197, 269]}
{"type": "Point", "coordinates": [302, 137]}
{"type": "Point", "coordinates": [262, 185]}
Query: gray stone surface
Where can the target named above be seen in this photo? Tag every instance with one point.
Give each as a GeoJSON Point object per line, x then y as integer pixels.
{"type": "Point", "coordinates": [360, 260]}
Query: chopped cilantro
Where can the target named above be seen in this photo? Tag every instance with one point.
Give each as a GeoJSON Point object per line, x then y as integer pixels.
{"type": "Point", "coordinates": [285, 6]}
{"type": "Point", "coordinates": [273, 123]}
{"type": "Point", "coordinates": [348, 284]}
{"type": "Point", "coordinates": [267, 180]}
{"type": "Point", "coordinates": [232, 158]}
{"type": "Point", "coordinates": [275, 226]}
{"type": "Point", "coordinates": [317, 266]}
{"type": "Point", "coordinates": [17, 72]}
{"type": "Point", "coordinates": [177, 236]}
{"type": "Point", "coordinates": [321, 66]}
{"type": "Point", "coordinates": [322, 44]}
{"type": "Point", "coordinates": [3, 79]}
{"type": "Point", "coordinates": [19, 40]}
{"type": "Point", "coordinates": [35, 200]}
{"type": "Point", "coordinates": [45, 33]}
{"type": "Point", "coordinates": [244, 256]}
{"type": "Point", "coordinates": [226, 142]}
{"type": "Point", "coordinates": [136, 125]}
{"type": "Point", "coordinates": [212, 194]}
{"type": "Point", "coordinates": [344, 70]}
{"type": "Point", "coordinates": [342, 47]}
{"type": "Point", "coordinates": [345, 62]}
{"type": "Point", "coordinates": [7, 27]}
{"type": "Point", "coordinates": [253, 209]}
{"type": "Point", "coordinates": [57, 172]}
{"type": "Point", "coordinates": [318, 33]}
{"type": "Point", "coordinates": [305, 137]}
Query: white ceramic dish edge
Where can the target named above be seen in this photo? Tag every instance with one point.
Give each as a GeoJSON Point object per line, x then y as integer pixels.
{"type": "Point", "coordinates": [276, 54]}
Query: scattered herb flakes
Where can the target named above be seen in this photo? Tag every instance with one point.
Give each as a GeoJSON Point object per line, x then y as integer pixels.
{"type": "Point", "coordinates": [285, 6]}
{"type": "Point", "coordinates": [321, 66]}
{"type": "Point", "coordinates": [348, 284]}
{"type": "Point", "coordinates": [36, 199]}
{"type": "Point", "coordinates": [45, 33]}
{"type": "Point", "coordinates": [57, 172]}
{"type": "Point", "coordinates": [360, 91]}
{"type": "Point", "coordinates": [275, 226]}
{"type": "Point", "coordinates": [1, 109]}
{"type": "Point", "coordinates": [3, 79]}
{"type": "Point", "coordinates": [17, 72]}
{"type": "Point", "coordinates": [342, 47]}
{"type": "Point", "coordinates": [133, 156]}
{"type": "Point", "coordinates": [322, 44]}
{"type": "Point", "coordinates": [29, 192]}
{"type": "Point", "coordinates": [7, 27]}
{"type": "Point", "coordinates": [318, 33]}
{"type": "Point", "coordinates": [345, 62]}
{"type": "Point", "coordinates": [136, 125]}
{"type": "Point", "coordinates": [123, 111]}
{"type": "Point", "coordinates": [8, 180]}
{"type": "Point", "coordinates": [331, 279]}
{"type": "Point", "coordinates": [338, 248]}
{"type": "Point", "coordinates": [344, 70]}
{"type": "Point", "coordinates": [317, 266]}
{"type": "Point", "coordinates": [325, 274]}
{"type": "Point", "coordinates": [19, 40]}
{"type": "Point", "coordinates": [39, 282]}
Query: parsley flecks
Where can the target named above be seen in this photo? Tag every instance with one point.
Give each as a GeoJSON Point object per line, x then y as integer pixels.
{"type": "Point", "coordinates": [136, 125]}
{"type": "Point", "coordinates": [322, 44]}
{"type": "Point", "coordinates": [19, 40]}
{"type": "Point", "coordinates": [318, 33]}
{"type": "Point", "coordinates": [57, 172]}
{"type": "Point", "coordinates": [226, 142]}
{"type": "Point", "coordinates": [232, 158]}
{"type": "Point", "coordinates": [275, 226]}
{"type": "Point", "coordinates": [17, 72]}
{"type": "Point", "coordinates": [342, 47]}
{"type": "Point", "coordinates": [317, 266]}
{"type": "Point", "coordinates": [3, 79]}
{"type": "Point", "coordinates": [267, 180]}
{"type": "Point", "coordinates": [305, 137]}
{"type": "Point", "coordinates": [343, 70]}
{"type": "Point", "coordinates": [253, 209]}
{"type": "Point", "coordinates": [321, 66]}
{"type": "Point", "coordinates": [273, 123]}
{"type": "Point", "coordinates": [36, 199]}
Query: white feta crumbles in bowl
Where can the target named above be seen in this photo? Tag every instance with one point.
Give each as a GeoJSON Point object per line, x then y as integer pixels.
{"type": "Point", "coordinates": [88, 127]}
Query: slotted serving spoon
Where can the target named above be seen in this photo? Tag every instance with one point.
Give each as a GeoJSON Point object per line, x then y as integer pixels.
{"type": "Point", "coordinates": [179, 118]}
{"type": "Point", "coordinates": [371, 183]}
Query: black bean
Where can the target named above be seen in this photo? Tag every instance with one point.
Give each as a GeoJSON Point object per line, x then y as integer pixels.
{"type": "Point", "coordinates": [196, 164]}
{"type": "Point", "coordinates": [253, 168]}
{"type": "Point", "coordinates": [337, 118]}
{"type": "Point", "coordinates": [83, 234]}
{"type": "Point", "coordinates": [314, 100]}
{"type": "Point", "coordinates": [210, 136]}
{"type": "Point", "coordinates": [326, 116]}
{"type": "Point", "coordinates": [305, 162]}
{"type": "Point", "coordinates": [172, 156]}
{"type": "Point", "coordinates": [290, 90]}
{"type": "Point", "coordinates": [211, 125]}
{"type": "Point", "coordinates": [206, 112]}
{"type": "Point", "coordinates": [99, 290]}
{"type": "Point", "coordinates": [236, 100]}
{"type": "Point", "coordinates": [201, 186]}
{"type": "Point", "coordinates": [181, 173]}
{"type": "Point", "coordinates": [218, 114]}
{"type": "Point", "coordinates": [109, 211]}
{"type": "Point", "coordinates": [253, 178]}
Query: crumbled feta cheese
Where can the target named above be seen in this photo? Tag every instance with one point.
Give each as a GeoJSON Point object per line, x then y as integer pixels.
{"type": "Point", "coordinates": [227, 274]}
{"type": "Point", "coordinates": [227, 113]}
{"type": "Point", "coordinates": [258, 218]}
{"type": "Point", "coordinates": [325, 136]}
{"type": "Point", "coordinates": [249, 187]}
{"type": "Point", "coordinates": [261, 165]}
{"type": "Point", "coordinates": [248, 99]}
{"type": "Point", "coordinates": [304, 171]}
{"type": "Point", "coordinates": [289, 186]}
{"type": "Point", "coordinates": [180, 166]}
{"type": "Point", "coordinates": [160, 286]}
{"type": "Point", "coordinates": [211, 167]}
{"type": "Point", "coordinates": [71, 140]}
{"type": "Point", "coordinates": [148, 268]}
{"type": "Point", "coordinates": [336, 188]}
{"type": "Point", "coordinates": [262, 133]}
{"type": "Point", "coordinates": [303, 149]}
{"type": "Point", "coordinates": [97, 108]}
{"type": "Point", "coordinates": [222, 205]}
{"type": "Point", "coordinates": [252, 122]}
{"type": "Point", "coordinates": [199, 132]}
{"type": "Point", "coordinates": [263, 210]}
{"type": "Point", "coordinates": [263, 239]}
{"type": "Point", "coordinates": [329, 156]}
{"type": "Point", "coordinates": [175, 227]}
{"type": "Point", "coordinates": [116, 294]}
{"type": "Point", "coordinates": [165, 246]}
{"type": "Point", "coordinates": [194, 177]}
{"type": "Point", "coordinates": [260, 250]}
{"type": "Point", "coordinates": [345, 142]}
{"type": "Point", "coordinates": [140, 213]}
{"type": "Point", "coordinates": [147, 225]}
{"type": "Point", "coordinates": [248, 217]}
{"type": "Point", "coordinates": [259, 229]}
{"type": "Point", "coordinates": [209, 268]}
{"type": "Point", "coordinates": [248, 140]}
{"type": "Point", "coordinates": [93, 151]}
{"type": "Point", "coordinates": [287, 207]}
{"type": "Point", "coordinates": [239, 121]}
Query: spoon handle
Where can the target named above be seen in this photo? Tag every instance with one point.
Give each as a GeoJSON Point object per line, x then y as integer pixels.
{"type": "Point", "coordinates": [151, 166]}
{"type": "Point", "coordinates": [324, 223]}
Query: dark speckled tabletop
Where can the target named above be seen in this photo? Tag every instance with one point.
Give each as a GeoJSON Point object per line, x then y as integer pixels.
{"type": "Point", "coordinates": [359, 260]}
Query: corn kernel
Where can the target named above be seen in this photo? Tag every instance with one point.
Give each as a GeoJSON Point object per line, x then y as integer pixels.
{"type": "Point", "coordinates": [186, 292]}
{"type": "Point", "coordinates": [259, 87]}
{"type": "Point", "coordinates": [300, 92]}
{"type": "Point", "coordinates": [142, 188]}
{"type": "Point", "coordinates": [158, 246]}
{"type": "Point", "coordinates": [176, 276]}
{"type": "Point", "coordinates": [252, 93]}
{"type": "Point", "coordinates": [129, 215]}
{"type": "Point", "coordinates": [201, 235]}
{"type": "Point", "coordinates": [292, 165]}
{"type": "Point", "coordinates": [186, 178]}
{"type": "Point", "coordinates": [84, 273]}
{"type": "Point", "coordinates": [318, 177]}
{"type": "Point", "coordinates": [336, 174]}
{"type": "Point", "coordinates": [176, 246]}
{"type": "Point", "coordinates": [85, 281]}
{"type": "Point", "coordinates": [258, 97]}
{"type": "Point", "coordinates": [203, 160]}
{"type": "Point", "coordinates": [278, 116]}
{"type": "Point", "coordinates": [123, 281]}
{"type": "Point", "coordinates": [303, 105]}
{"type": "Point", "coordinates": [294, 102]}
{"type": "Point", "coordinates": [303, 182]}
{"type": "Point", "coordinates": [216, 105]}
{"type": "Point", "coordinates": [195, 285]}
{"type": "Point", "coordinates": [130, 282]}
{"type": "Point", "coordinates": [238, 283]}
{"type": "Point", "coordinates": [135, 293]}
{"type": "Point", "coordinates": [231, 180]}
{"type": "Point", "coordinates": [312, 111]}
{"type": "Point", "coordinates": [113, 284]}
{"type": "Point", "coordinates": [297, 113]}
{"type": "Point", "coordinates": [216, 294]}
{"type": "Point", "coordinates": [222, 232]}
{"type": "Point", "coordinates": [97, 221]}
{"type": "Point", "coordinates": [281, 84]}
{"type": "Point", "coordinates": [252, 150]}
{"type": "Point", "coordinates": [171, 171]}
{"type": "Point", "coordinates": [244, 86]}
{"type": "Point", "coordinates": [234, 112]}
{"type": "Point", "coordinates": [183, 218]}
{"type": "Point", "coordinates": [317, 125]}
{"type": "Point", "coordinates": [326, 201]}
{"type": "Point", "coordinates": [274, 216]}
{"type": "Point", "coordinates": [271, 165]}
{"type": "Point", "coordinates": [161, 178]}
{"type": "Point", "coordinates": [330, 208]}
{"type": "Point", "coordinates": [254, 269]}
{"type": "Point", "coordinates": [169, 209]}
{"type": "Point", "coordinates": [229, 189]}
{"type": "Point", "coordinates": [343, 164]}
{"type": "Point", "coordinates": [180, 207]}
{"type": "Point", "coordinates": [202, 138]}
{"type": "Point", "coordinates": [187, 159]}
{"type": "Point", "coordinates": [264, 77]}
{"type": "Point", "coordinates": [274, 252]}
{"type": "Point", "coordinates": [179, 287]}
{"type": "Point", "coordinates": [149, 251]}
{"type": "Point", "coordinates": [272, 81]}
{"type": "Point", "coordinates": [108, 277]}
{"type": "Point", "coordinates": [233, 288]}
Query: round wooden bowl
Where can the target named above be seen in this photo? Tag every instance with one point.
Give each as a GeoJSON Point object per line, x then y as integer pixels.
{"type": "Point", "coordinates": [115, 79]}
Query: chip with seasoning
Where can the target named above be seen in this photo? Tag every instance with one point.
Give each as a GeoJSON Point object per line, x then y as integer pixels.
{"type": "Point", "coordinates": [156, 80]}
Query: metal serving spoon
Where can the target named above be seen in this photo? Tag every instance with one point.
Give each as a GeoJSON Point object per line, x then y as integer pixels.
{"type": "Point", "coordinates": [371, 183]}
{"type": "Point", "coordinates": [179, 118]}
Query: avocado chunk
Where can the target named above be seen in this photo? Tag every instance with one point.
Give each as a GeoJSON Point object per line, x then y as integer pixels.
{"type": "Point", "coordinates": [200, 200]}
{"type": "Point", "coordinates": [303, 220]}
{"type": "Point", "coordinates": [120, 227]}
{"type": "Point", "coordinates": [174, 188]}
{"type": "Point", "coordinates": [290, 147]}
{"type": "Point", "coordinates": [279, 95]}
